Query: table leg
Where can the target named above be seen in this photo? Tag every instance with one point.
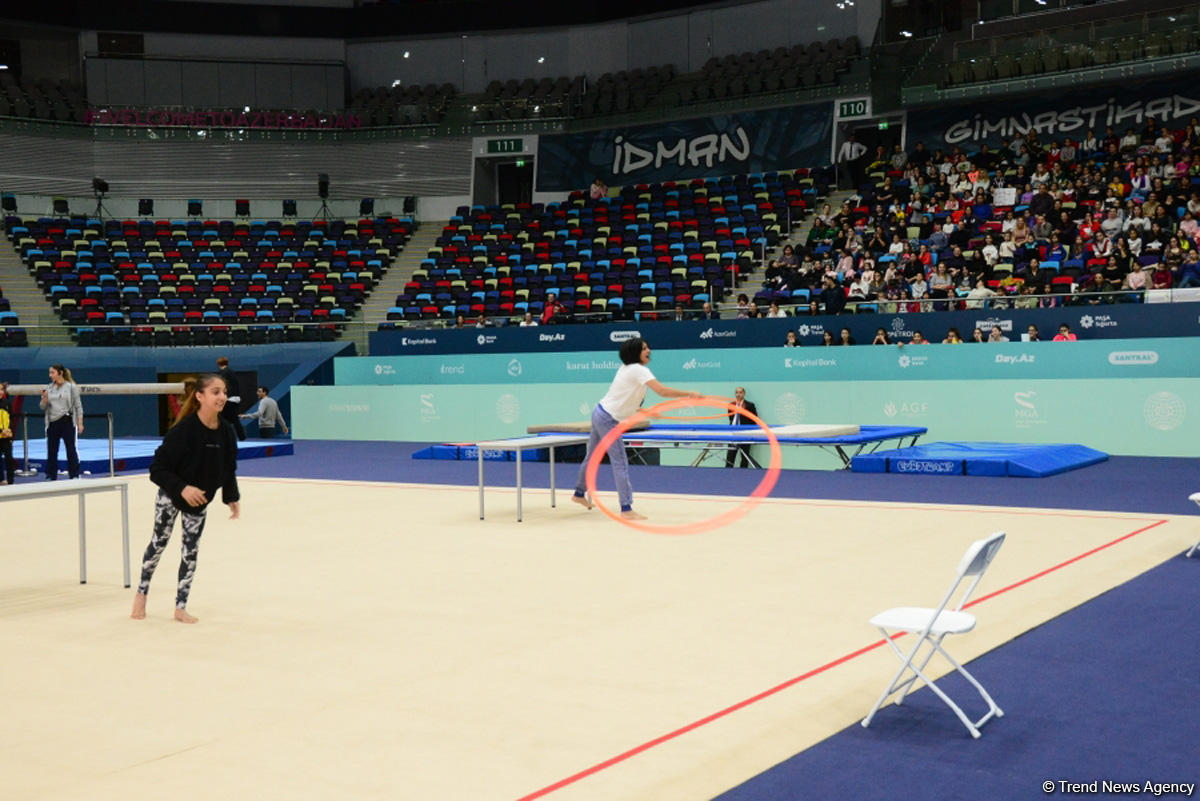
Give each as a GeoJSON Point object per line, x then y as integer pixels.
{"type": "Point", "coordinates": [82, 540]}
{"type": "Point", "coordinates": [518, 485]}
{"type": "Point", "coordinates": [480, 455]}
{"type": "Point", "coordinates": [552, 504]}
{"type": "Point", "coordinates": [125, 532]}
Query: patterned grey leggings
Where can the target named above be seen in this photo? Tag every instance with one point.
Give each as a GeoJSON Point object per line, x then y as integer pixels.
{"type": "Point", "coordinates": [164, 521]}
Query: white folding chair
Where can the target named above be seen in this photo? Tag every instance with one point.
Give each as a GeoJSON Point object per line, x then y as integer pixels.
{"type": "Point", "coordinates": [931, 626]}
{"type": "Point", "coordinates": [1194, 498]}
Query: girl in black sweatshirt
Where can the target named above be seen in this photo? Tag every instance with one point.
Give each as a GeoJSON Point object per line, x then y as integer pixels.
{"type": "Point", "coordinates": [197, 456]}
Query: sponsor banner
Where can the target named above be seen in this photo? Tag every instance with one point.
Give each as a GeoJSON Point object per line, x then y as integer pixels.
{"type": "Point", "coordinates": [1119, 320]}
{"type": "Point", "coordinates": [1140, 358]}
{"type": "Point", "coordinates": [753, 141]}
{"type": "Point", "coordinates": [259, 120]}
{"type": "Point", "coordinates": [1156, 416]}
{"type": "Point", "coordinates": [1055, 116]}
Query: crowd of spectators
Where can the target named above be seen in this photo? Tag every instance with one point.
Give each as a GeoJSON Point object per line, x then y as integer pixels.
{"type": "Point", "coordinates": [1034, 223]}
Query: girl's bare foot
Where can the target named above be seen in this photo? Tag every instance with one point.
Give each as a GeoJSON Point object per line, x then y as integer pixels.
{"type": "Point", "coordinates": [582, 500]}
{"type": "Point", "coordinates": [183, 617]}
{"type": "Point", "coordinates": [139, 606]}
{"type": "Point", "coordinates": [632, 515]}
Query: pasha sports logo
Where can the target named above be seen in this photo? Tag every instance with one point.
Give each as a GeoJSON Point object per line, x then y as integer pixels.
{"type": "Point", "coordinates": [384, 369]}
{"type": "Point", "coordinates": [1025, 410]}
{"type": "Point", "coordinates": [906, 408]}
{"type": "Point", "coordinates": [712, 333]}
{"type": "Point", "coordinates": [623, 336]}
{"type": "Point", "coordinates": [1022, 358]}
{"type": "Point", "coordinates": [1097, 321]}
{"type": "Point", "coordinates": [1133, 357]}
{"type": "Point", "coordinates": [934, 466]}
{"type": "Point", "coordinates": [486, 339]}
{"type": "Point", "coordinates": [515, 368]}
{"type": "Point", "coordinates": [552, 337]}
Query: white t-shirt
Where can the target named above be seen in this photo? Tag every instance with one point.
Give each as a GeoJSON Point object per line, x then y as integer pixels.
{"type": "Point", "coordinates": [627, 391]}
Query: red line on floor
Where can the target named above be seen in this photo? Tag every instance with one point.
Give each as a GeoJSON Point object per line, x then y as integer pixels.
{"type": "Point", "coordinates": [632, 752]}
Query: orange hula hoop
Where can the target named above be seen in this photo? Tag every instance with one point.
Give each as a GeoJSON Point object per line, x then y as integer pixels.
{"type": "Point", "coordinates": [754, 499]}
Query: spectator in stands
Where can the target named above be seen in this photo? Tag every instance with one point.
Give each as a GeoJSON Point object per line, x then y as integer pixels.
{"type": "Point", "coordinates": [267, 414]}
{"type": "Point", "coordinates": [233, 397]}
{"type": "Point", "coordinates": [197, 456]}
{"type": "Point", "coordinates": [790, 340]}
{"type": "Point", "coordinates": [832, 298]}
{"type": "Point", "coordinates": [977, 336]}
{"type": "Point", "coordinates": [553, 312]}
{"type": "Point", "coordinates": [1189, 271]}
{"type": "Point", "coordinates": [980, 297]}
{"type": "Point", "coordinates": [997, 335]}
{"type": "Point", "coordinates": [8, 465]}
{"type": "Point", "coordinates": [743, 306]}
{"type": "Point", "coordinates": [64, 420]}
{"type": "Point", "coordinates": [527, 321]}
{"type": "Point", "coordinates": [953, 337]}
{"type": "Point", "coordinates": [707, 312]}
{"type": "Point", "coordinates": [917, 339]}
{"type": "Point", "coordinates": [827, 339]}
{"type": "Point", "coordinates": [1064, 334]}
{"type": "Point", "coordinates": [881, 337]}
{"type": "Point", "coordinates": [844, 337]}
{"type": "Point", "coordinates": [679, 313]}
{"type": "Point", "coordinates": [460, 321]}
{"type": "Point", "coordinates": [624, 396]}
{"type": "Point", "coordinates": [1031, 334]}
{"type": "Point", "coordinates": [775, 311]}
{"type": "Point", "coordinates": [598, 190]}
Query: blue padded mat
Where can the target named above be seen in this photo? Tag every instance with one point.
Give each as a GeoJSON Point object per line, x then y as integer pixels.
{"type": "Point", "coordinates": [132, 453]}
{"type": "Point", "coordinates": [979, 459]}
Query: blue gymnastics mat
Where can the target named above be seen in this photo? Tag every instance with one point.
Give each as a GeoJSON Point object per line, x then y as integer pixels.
{"type": "Point", "coordinates": [979, 459]}
{"type": "Point", "coordinates": [132, 454]}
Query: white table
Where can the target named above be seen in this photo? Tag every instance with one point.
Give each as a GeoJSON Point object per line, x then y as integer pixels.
{"type": "Point", "coordinates": [519, 445]}
{"type": "Point", "coordinates": [79, 487]}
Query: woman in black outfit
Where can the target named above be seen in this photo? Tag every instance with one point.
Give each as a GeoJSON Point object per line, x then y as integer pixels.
{"type": "Point", "coordinates": [197, 456]}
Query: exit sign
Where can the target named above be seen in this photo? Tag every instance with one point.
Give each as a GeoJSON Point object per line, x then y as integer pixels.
{"type": "Point", "coordinates": [854, 108]}
{"type": "Point", "coordinates": [505, 145]}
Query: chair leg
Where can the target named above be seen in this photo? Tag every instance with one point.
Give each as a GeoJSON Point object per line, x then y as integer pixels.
{"type": "Point", "coordinates": [918, 671]}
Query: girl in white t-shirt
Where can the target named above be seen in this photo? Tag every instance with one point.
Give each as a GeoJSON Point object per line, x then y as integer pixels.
{"type": "Point", "coordinates": [624, 397]}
